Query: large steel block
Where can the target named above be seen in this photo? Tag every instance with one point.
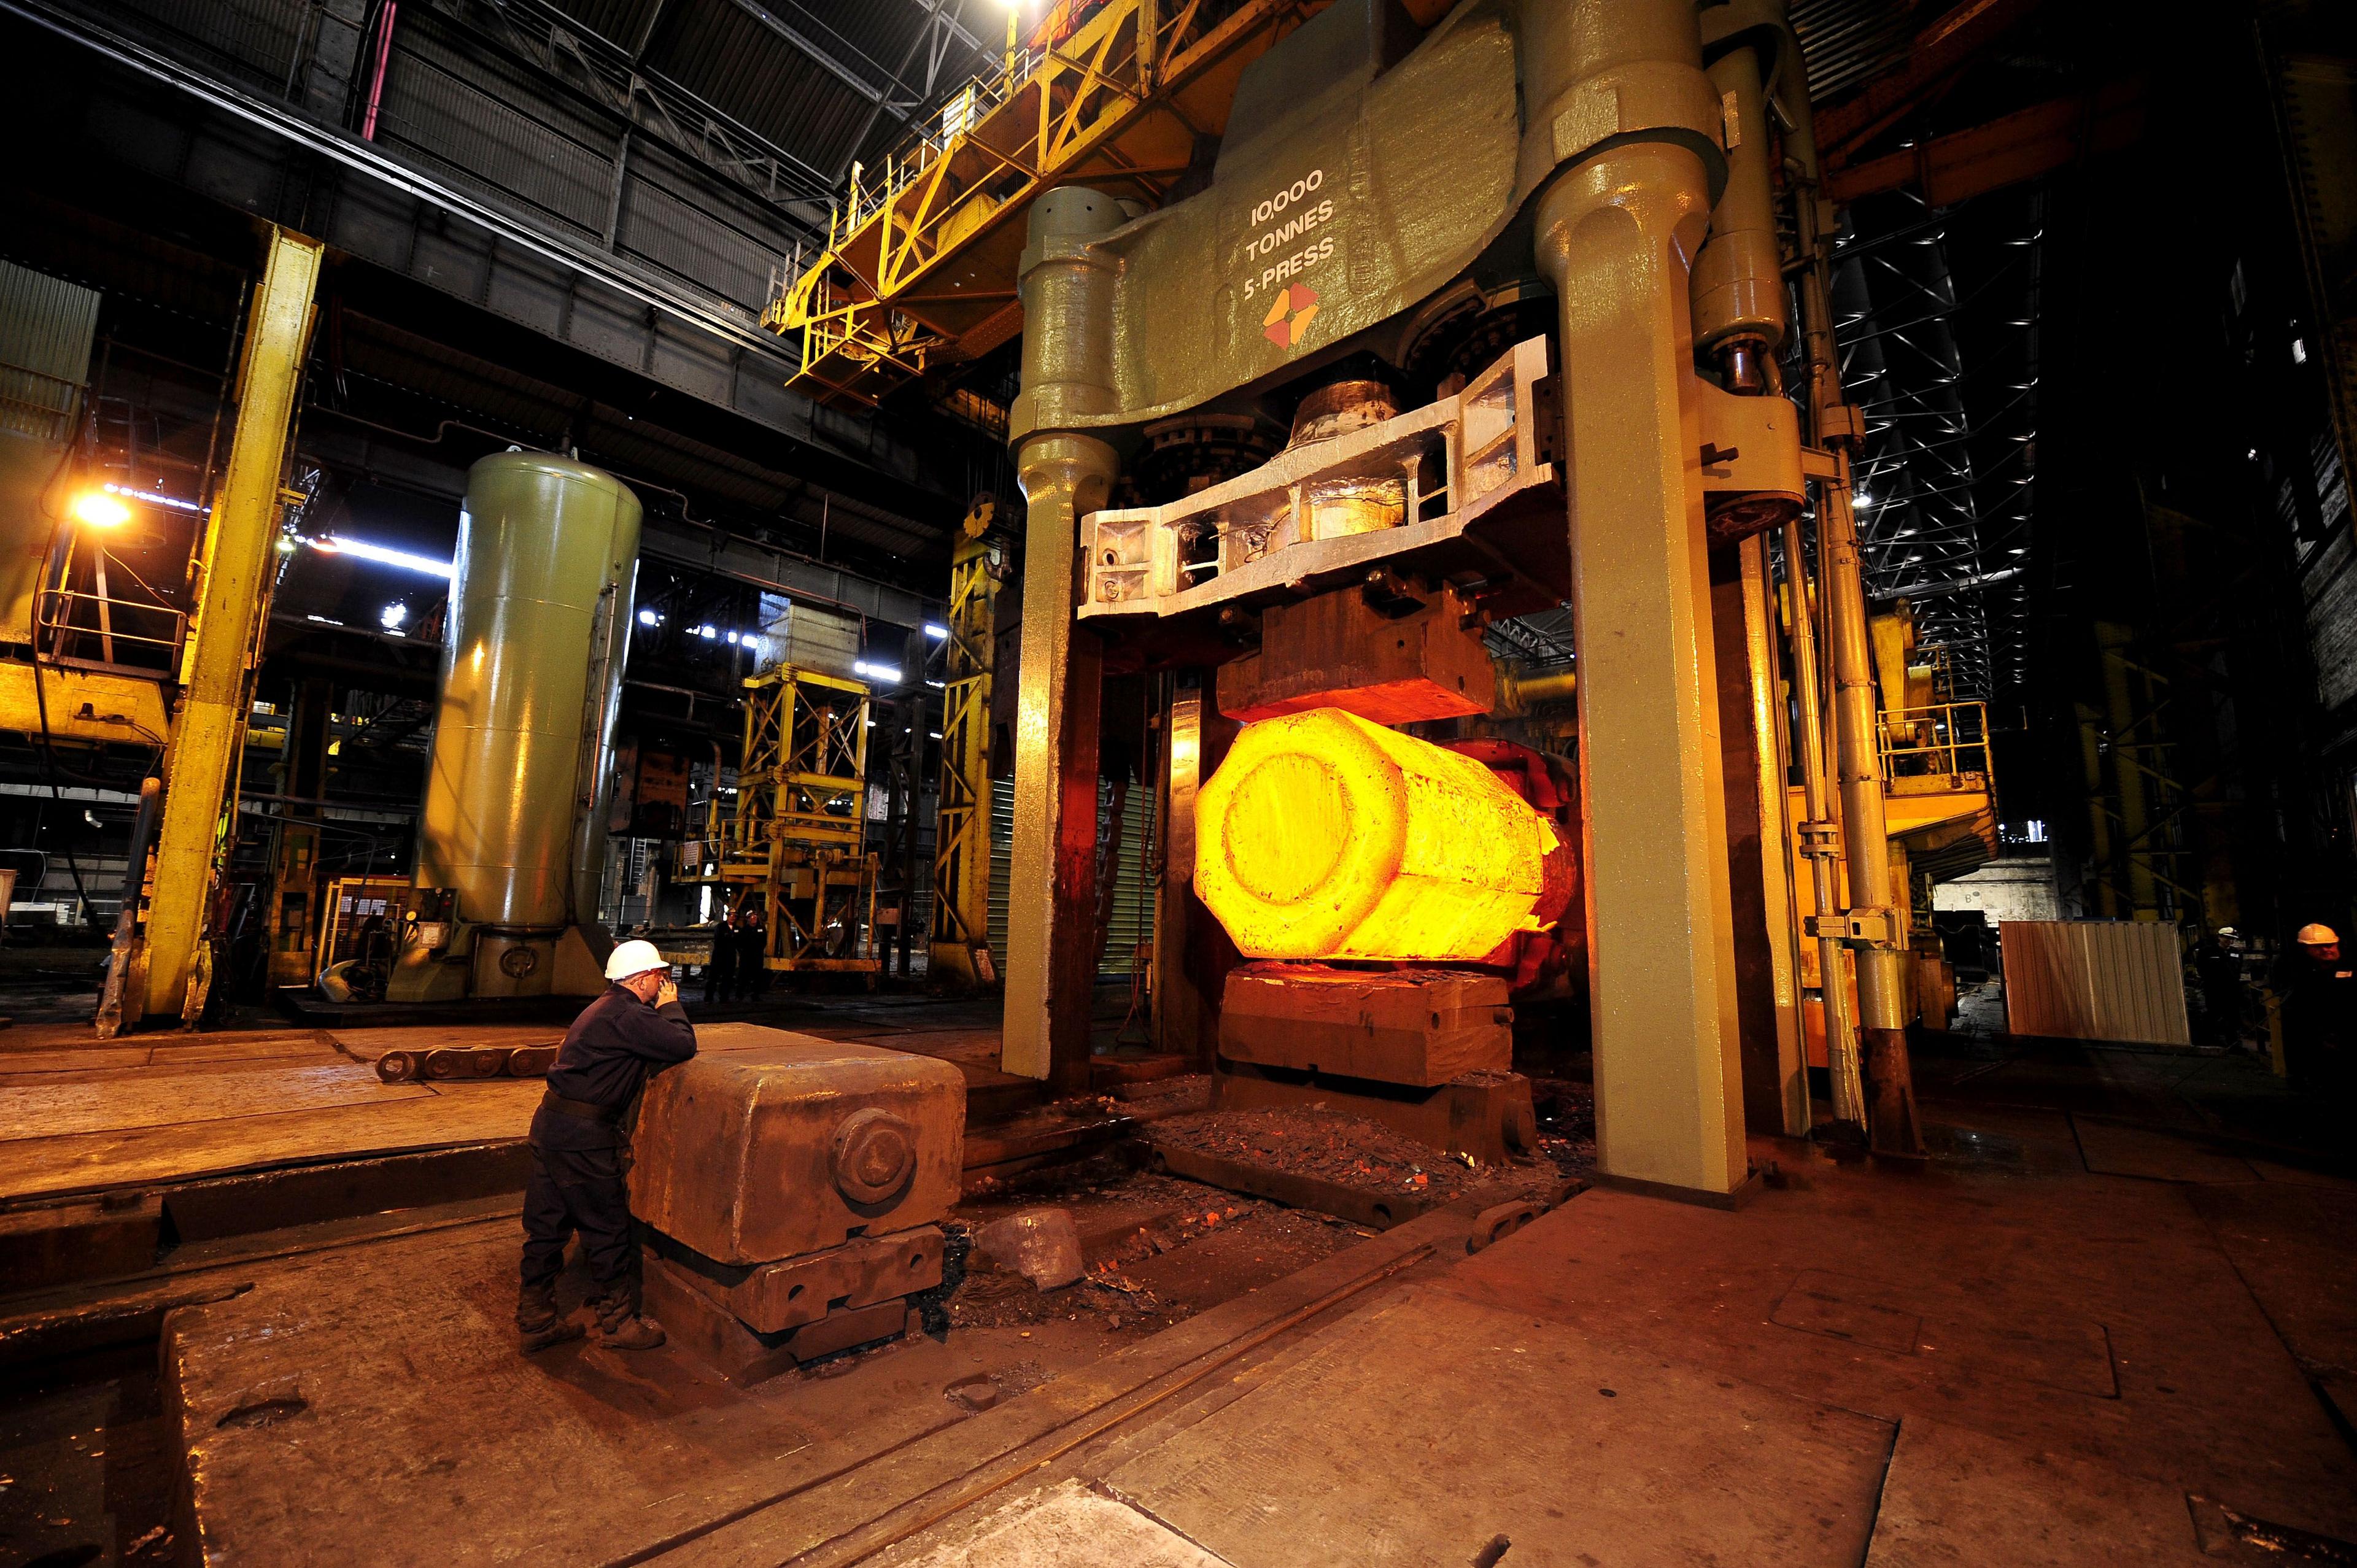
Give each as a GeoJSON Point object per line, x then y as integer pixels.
{"type": "Point", "coordinates": [1421, 1027]}
{"type": "Point", "coordinates": [760, 1154]}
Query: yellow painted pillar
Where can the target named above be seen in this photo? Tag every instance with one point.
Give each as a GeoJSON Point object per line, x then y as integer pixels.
{"type": "Point", "coordinates": [1769, 728]}
{"type": "Point", "coordinates": [1621, 139]}
{"type": "Point", "coordinates": [1067, 371]}
{"type": "Point", "coordinates": [235, 575]}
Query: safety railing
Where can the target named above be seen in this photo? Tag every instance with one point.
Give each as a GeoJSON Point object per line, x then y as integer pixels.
{"type": "Point", "coordinates": [1945, 737]}
{"type": "Point", "coordinates": [1088, 69]}
{"type": "Point", "coordinates": [99, 630]}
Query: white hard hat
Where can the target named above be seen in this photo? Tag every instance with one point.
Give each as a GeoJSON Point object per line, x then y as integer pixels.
{"type": "Point", "coordinates": [633, 957]}
{"type": "Point", "coordinates": [2314, 936]}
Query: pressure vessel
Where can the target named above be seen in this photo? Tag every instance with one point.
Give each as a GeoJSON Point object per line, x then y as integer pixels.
{"type": "Point", "coordinates": [533, 650]}
{"type": "Point", "coordinates": [1325, 836]}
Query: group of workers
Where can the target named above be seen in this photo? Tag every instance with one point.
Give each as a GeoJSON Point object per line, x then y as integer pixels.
{"type": "Point", "coordinates": [740, 940]}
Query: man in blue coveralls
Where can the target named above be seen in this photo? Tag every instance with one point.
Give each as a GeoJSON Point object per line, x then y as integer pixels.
{"type": "Point", "coordinates": [581, 1151]}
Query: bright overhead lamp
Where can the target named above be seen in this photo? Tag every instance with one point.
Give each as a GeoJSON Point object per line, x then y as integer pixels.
{"type": "Point", "coordinates": [96, 509]}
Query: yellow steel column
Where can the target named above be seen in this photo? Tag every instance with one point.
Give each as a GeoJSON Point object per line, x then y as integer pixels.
{"type": "Point", "coordinates": [961, 941]}
{"type": "Point", "coordinates": [233, 601]}
{"type": "Point", "coordinates": [1617, 92]}
{"type": "Point", "coordinates": [1873, 921]}
{"type": "Point", "coordinates": [1051, 907]}
{"type": "Point", "coordinates": [1769, 728]}
{"type": "Point", "coordinates": [1820, 840]}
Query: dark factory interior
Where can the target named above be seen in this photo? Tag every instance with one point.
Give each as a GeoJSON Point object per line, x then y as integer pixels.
{"type": "Point", "coordinates": [1178, 783]}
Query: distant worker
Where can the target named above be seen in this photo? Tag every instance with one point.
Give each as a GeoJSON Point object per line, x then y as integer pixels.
{"type": "Point", "coordinates": [581, 1151]}
{"type": "Point", "coordinates": [2319, 1012]}
{"type": "Point", "coordinates": [752, 951]}
{"type": "Point", "coordinates": [2220, 969]}
{"type": "Point", "coordinates": [720, 969]}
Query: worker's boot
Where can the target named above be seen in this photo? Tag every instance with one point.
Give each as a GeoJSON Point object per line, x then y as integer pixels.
{"type": "Point", "coordinates": [620, 1326]}
{"type": "Point", "coordinates": [537, 1323]}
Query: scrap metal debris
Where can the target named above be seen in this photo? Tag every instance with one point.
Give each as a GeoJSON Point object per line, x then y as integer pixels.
{"type": "Point", "coordinates": [1331, 1146]}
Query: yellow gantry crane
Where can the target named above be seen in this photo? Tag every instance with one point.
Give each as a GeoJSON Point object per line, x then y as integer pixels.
{"type": "Point", "coordinates": [921, 260]}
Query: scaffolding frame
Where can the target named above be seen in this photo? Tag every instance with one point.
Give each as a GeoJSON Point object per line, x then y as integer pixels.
{"type": "Point", "coordinates": [799, 831]}
{"type": "Point", "coordinates": [960, 945]}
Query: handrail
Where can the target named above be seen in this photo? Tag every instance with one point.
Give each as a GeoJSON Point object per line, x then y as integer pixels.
{"type": "Point", "coordinates": [60, 632]}
{"type": "Point", "coordinates": [1076, 81]}
{"type": "Point", "coordinates": [1944, 738]}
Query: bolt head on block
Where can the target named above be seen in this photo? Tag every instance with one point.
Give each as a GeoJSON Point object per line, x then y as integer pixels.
{"type": "Point", "coordinates": [767, 1153]}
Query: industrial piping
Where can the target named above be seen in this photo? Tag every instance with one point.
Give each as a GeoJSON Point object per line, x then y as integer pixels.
{"type": "Point", "coordinates": [1888, 1089]}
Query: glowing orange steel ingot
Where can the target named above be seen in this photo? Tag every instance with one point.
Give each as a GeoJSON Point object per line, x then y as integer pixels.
{"type": "Point", "coordinates": [1323, 836]}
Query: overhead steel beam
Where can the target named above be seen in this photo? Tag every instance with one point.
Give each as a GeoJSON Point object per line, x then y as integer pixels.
{"type": "Point", "coordinates": [2006, 151]}
{"type": "Point", "coordinates": [940, 8]}
{"type": "Point", "coordinates": [793, 575]}
{"type": "Point", "coordinates": [740, 559]}
{"type": "Point", "coordinates": [601, 70]}
{"type": "Point", "coordinates": [820, 56]}
{"type": "Point", "coordinates": [340, 147]}
{"type": "Point", "coordinates": [1939, 51]}
{"type": "Point", "coordinates": [875, 110]}
{"type": "Point", "coordinates": [563, 285]}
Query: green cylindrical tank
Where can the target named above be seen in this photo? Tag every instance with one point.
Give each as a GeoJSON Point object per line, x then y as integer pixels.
{"type": "Point", "coordinates": [532, 666]}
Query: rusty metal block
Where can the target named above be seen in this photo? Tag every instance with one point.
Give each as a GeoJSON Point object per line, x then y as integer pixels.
{"type": "Point", "coordinates": [773, 1298]}
{"type": "Point", "coordinates": [1420, 1027]}
{"type": "Point", "coordinates": [760, 1155]}
{"type": "Point", "coordinates": [1338, 651]}
{"type": "Point", "coordinates": [744, 1355]}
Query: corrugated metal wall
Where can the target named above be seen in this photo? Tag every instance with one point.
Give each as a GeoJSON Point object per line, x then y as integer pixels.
{"type": "Point", "coordinates": [46, 328]}
{"type": "Point", "coordinates": [1133, 898]}
{"type": "Point", "coordinates": [253, 41]}
{"type": "Point", "coordinates": [1002, 852]}
{"type": "Point", "coordinates": [2095, 980]}
{"type": "Point", "coordinates": [700, 229]}
{"type": "Point", "coordinates": [1132, 903]}
{"type": "Point", "coordinates": [460, 110]}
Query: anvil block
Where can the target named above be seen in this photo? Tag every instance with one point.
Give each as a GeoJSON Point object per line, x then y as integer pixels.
{"type": "Point", "coordinates": [761, 1153]}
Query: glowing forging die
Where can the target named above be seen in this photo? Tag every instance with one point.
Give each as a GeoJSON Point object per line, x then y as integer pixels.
{"type": "Point", "coordinates": [1323, 836]}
